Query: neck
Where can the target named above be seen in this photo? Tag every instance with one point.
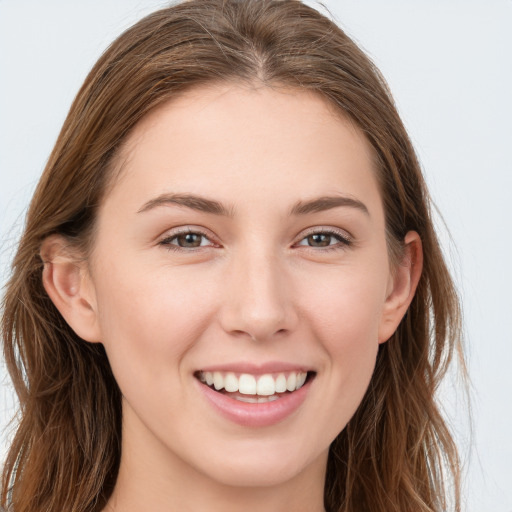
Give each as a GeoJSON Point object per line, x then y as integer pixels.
{"type": "Point", "coordinates": [194, 495]}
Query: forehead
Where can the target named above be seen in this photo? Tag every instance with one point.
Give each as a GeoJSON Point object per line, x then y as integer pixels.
{"type": "Point", "coordinates": [236, 141]}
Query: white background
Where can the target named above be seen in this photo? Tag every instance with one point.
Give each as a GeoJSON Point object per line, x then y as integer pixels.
{"type": "Point", "coordinates": [448, 64]}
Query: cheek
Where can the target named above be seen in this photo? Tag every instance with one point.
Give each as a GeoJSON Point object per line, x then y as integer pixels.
{"type": "Point", "coordinates": [345, 314]}
{"type": "Point", "coordinates": [148, 321]}
{"type": "Point", "coordinates": [347, 308]}
{"type": "Point", "coordinates": [349, 323]}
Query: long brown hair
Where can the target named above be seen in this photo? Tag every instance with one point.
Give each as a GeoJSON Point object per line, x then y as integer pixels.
{"type": "Point", "coordinates": [396, 452]}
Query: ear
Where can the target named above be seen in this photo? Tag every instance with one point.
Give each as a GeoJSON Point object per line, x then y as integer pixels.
{"type": "Point", "coordinates": [67, 283]}
{"type": "Point", "coordinates": [402, 286]}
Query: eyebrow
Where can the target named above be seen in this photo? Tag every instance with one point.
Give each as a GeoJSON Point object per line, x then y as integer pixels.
{"type": "Point", "coordinates": [326, 203]}
{"type": "Point", "coordinates": [192, 201]}
{"type": "Point", "coordinates": [206, 205]}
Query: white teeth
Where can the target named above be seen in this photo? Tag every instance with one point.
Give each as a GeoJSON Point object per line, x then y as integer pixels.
{"type": "Point", "coordinates": [256, 400]}
{"type": "Point", "coordinates": [281, 383]}
{"type": "Point", "coordinates": [248, 399]}
{"type": "Point", "coordinates": [264, 386]}
{"type": "Point", "coordinates": [264, 399]}
{"type": "Point", "coordinates": [218, 380]}
{"type": "Point", "coordinates": [301, 378]}
{"type": "Point", "coordinates": [231, 383]}
{"type": "Point", "coordinates": [291, 382]}
{"type": "Point", "coordinates": [247, 384]}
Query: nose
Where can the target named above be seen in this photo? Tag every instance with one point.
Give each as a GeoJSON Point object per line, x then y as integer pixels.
{"type": "Point", "coordinates": [258, 300]}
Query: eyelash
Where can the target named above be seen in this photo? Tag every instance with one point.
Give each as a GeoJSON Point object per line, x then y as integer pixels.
{"type": "Point", "coordinates": [343, 240]}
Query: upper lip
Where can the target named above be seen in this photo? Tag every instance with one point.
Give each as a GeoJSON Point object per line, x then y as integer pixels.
{"type": "Point", "coordinates": [257, 369]}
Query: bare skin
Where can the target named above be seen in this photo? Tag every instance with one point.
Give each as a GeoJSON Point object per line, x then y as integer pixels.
{"type": "Point", "coordinates": [256, 278]}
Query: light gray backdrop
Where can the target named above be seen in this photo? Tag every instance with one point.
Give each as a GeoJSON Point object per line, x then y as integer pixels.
{"type": "Point", "coordinates": [448, 64]}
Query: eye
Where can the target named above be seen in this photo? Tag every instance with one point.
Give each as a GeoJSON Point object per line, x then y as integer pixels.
{"type": "Point", "coordinates": [186, 240]}
{"type": "Point", "coordinates": [326, 239]}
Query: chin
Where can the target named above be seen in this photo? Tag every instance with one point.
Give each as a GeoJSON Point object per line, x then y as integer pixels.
{"type": "Point", "coordinates": [252, 475]}
{"type": "Point", "coordinates": [264, 466]}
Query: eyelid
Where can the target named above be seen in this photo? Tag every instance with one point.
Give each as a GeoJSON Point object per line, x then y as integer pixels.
{"type": "Point", "coordinates": [345, 239]}
{"type": "Point", "coordinates": [196, 230]}
{"type": "Point", "coordinates": [327, 230]}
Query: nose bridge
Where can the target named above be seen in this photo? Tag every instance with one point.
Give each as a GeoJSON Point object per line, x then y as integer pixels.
{"type": "Point", "coordinates": [258, 296]}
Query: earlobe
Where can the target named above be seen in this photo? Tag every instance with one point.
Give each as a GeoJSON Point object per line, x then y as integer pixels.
{"type": "Point", "coordinates": [67, 283]}
{"type": "Point", "coordinates": [403, 284]}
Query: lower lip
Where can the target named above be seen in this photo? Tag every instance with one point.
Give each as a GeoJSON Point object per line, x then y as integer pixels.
{"type": "Point", "coordinates": [255, 415]}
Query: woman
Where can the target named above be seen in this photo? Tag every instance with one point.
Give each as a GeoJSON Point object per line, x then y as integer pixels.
{"type": "Point", "coordinates": [229, 293]}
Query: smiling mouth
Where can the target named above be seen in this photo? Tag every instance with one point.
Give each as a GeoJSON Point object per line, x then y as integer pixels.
{"type": "Point", "coordinates": [255, 389]}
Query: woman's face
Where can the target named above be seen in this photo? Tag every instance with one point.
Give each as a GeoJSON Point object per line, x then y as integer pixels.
{"type": "Point", "coordinates": [244, 243]}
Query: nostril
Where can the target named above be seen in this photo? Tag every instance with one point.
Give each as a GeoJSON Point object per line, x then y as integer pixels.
{"type": "Point", "coordinates": [257, 337]}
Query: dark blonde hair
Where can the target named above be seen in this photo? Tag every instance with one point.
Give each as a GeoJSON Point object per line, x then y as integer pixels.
{"type": "Point", "coordinates": [396, 453]}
